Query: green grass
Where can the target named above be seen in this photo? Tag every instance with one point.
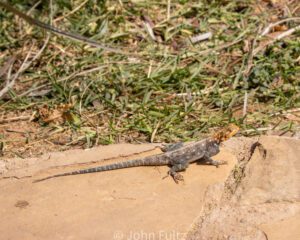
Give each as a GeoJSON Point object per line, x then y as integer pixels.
{"type": "Point", "coordinates": [173, 90]}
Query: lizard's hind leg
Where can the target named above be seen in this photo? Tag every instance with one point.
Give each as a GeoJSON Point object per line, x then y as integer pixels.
{"type": "Point", "coordinates": [173, 172]}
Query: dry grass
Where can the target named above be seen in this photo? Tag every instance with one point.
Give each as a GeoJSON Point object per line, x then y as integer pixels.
{"type": "Point", "coordinates": [164, 89]}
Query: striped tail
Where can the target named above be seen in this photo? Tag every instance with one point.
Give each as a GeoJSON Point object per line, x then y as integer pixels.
{"type": "Point", "coordinates": [147, 161]}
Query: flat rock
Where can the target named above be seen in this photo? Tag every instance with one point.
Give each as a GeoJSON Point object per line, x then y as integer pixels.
{"type": "Point", "coordinates": [266, 195]}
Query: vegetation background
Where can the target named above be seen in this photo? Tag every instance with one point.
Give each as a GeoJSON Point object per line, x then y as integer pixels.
{"type": "Point", "coordinates": [167, 86]}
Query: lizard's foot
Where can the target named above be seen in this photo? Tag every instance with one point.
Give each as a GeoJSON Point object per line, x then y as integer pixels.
{"type": "Point", "coordinates": [217, 163]}
{"type": "Point", "coordinates": [214, 162]}
{"type": "Point", "coordinates": [176, 177]}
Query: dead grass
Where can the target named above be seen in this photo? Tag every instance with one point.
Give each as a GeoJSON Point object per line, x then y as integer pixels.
{"type": "Point", "coordinates": [165, 89]}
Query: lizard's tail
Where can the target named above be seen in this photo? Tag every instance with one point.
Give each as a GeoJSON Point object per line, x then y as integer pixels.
{"type": "Point", "coordinates": [148, 161]}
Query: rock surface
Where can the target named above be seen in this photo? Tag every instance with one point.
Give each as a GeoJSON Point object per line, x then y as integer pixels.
{"type": "Point", "coordinates": [255, 196]}
{"type": "Point", "coordinates": [266, 192]}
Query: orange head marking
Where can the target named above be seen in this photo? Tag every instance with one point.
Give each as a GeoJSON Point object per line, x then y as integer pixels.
{"type": "Point", "coordinates": [226, 133]}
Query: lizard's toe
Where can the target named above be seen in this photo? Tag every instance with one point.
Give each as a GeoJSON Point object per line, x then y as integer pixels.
{"type": "Point", "coordinates": [222, 162]}
{"type": "Point", "coordinates": [177, 177]}
{"type": "Point", "coordinates": [217, 163]}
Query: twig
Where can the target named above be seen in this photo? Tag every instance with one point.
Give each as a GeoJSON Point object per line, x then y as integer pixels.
{"type": "Point", "coordinates": [246, 73]}
{"type": "Point", "coordinates": [169, 10]}
{"type": "Point", "coordinates": [269, 28]}
{"type": "Point", "coordinates": [7, 65]}
{"type": "Point", "coordinates": [154, 132]}
{"type": "Point", "coordinates": [262, 129]}
{"type": "Point", "coordinates": [71, 12]}
{"type": "Point", "coordinates": [149, 69]}
{"type": "Point", "coordinates": [33, 7]}
{"type": "Point", "coordinates": [211, 50]}
{"type": "Point", "coordinates": [10, 82]}
{"type": "Point", "coordinates": [202, 92]}
{"type": "Point", "coordinates": [287, 33]}
{"type": "Point", "coordinates": [278, 37]}
{"type": "Point", "coordinates": [38, 54]}
{"type": "Point", "coordinates": [245, 104]}
{"type": "Point", "coordinates": [200, 37]}
{"type": "Point", "coordinates": [26, 64]}
{"type": "Point", "coordinates": [14, 119]}
{"type": "Point", "coordinates": [257, 130]}
{"type": "Point", "coordinates": [149, 30]}
{"type": "Point", "coordinates": [286, 112]}
{"type": "Point", "coordinates": [69, 35]}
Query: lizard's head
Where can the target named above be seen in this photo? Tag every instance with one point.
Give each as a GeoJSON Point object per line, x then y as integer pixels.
{"type": "Point", "coordinates": [226, 133]}
{"type": "Point", "coordinates": [212, 147]}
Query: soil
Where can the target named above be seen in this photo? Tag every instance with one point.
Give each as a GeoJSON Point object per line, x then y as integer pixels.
{"type": "Point", "coordinates": [254, 196]}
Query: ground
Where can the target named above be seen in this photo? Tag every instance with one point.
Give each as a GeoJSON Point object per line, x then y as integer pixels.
{"type": "Point", "coordinates": [255, 195]}
{"type": "Point", "coordinates": [56, 93]}
{"type": "Point", "coordinates": [66, 105]}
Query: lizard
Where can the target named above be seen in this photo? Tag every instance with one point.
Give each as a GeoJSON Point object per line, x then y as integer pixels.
{"type": "Point", "coordinates": [56, 30]}
{"type": "Point", "coordinates": [178, 156]}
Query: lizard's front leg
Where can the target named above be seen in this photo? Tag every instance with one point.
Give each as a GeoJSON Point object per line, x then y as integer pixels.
{"type": "Point", "coordinates": [209, 160]}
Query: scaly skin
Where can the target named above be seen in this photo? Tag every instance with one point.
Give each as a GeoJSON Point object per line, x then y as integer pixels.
{"type": "Point", "coordinates": [178, 159]}
{"type": "Point", "coordinates": [177, 156]}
